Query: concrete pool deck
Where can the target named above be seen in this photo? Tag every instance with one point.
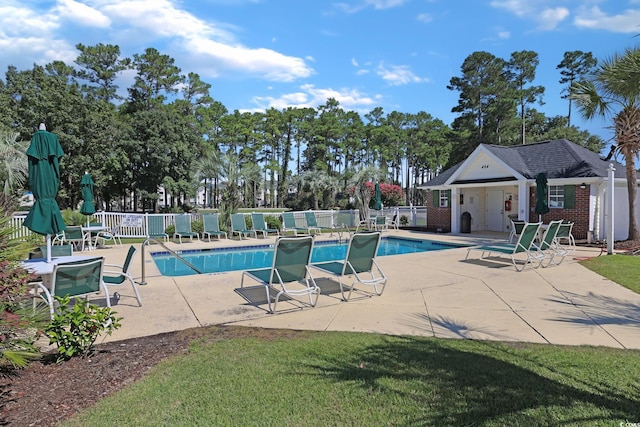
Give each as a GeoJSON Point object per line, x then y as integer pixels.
{"type": "Point", "coordinates": [436, 294]}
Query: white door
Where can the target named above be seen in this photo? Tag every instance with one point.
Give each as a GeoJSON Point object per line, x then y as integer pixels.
{"type": "Point", "coordinates": [495, 210]}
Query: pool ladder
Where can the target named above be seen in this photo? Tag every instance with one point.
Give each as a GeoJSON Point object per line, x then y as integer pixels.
{"type": "Point", "coordinates": [340, 230]}
{"type": "Point", "coordinates": [172, 252]}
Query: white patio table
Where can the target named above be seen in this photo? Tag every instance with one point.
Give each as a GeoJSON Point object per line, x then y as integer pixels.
{"type": "Point", "coordinates": [87, 230]}
{"type": "Point", "coordinates": [44, 269]}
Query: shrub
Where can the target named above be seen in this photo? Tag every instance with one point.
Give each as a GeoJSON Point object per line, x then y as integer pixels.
{"type": "Point", "coordinates": [273, 222]}
{"type": "Point", "coordinates": [73, 218]}
{"type": "Point", "coordinates": [75, 328]}
{"type": "Point", "coordinates": [197, 227]}
{"type": "Point", "coordinates": [20, 321]}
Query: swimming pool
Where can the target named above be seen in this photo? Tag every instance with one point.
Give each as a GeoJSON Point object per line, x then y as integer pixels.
{"type": "Point", "coordinates": [219, 260]}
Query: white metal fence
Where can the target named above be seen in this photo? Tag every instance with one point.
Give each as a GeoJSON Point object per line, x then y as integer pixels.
{"type": "Point", "coordinates": [137, 225]}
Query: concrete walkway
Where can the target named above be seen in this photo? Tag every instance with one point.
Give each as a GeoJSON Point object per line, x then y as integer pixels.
{"type": "Point", "coordinates": [436, 294]}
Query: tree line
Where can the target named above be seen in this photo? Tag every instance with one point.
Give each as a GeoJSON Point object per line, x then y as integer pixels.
{"type": "Point", "coordinates": [169, 131]}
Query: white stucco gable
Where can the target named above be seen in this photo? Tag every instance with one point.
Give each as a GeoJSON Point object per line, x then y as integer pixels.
{"type": "Point", "coordinates": [483, 165]}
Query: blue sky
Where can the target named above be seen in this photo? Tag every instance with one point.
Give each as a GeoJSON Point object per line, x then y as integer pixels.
{"type": "Point", "coordinates": [394, 54]}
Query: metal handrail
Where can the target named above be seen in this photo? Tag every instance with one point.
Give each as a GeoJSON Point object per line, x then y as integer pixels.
{"type": "Point", "coordinates": [172, 252]}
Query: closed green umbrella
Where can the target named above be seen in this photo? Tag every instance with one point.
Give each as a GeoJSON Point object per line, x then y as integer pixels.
{"type": "Point", "coordinates": [86, 186]}
{"type": "Point", "coordinates": [43, 156]}
{"type": "Point", "coordinates": [542, 206]}
{"type": "Point", "coordinates": [377, 204]}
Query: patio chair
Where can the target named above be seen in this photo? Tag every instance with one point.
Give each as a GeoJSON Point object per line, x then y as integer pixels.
{"type": "Point", "coordinates": [549, 249]}
{"type": "Point", "coordinates": [289, 224]}
{"type": "Point", "coordinates": [522, 248]}
{"type": "Point", "coordinates": [289, 274]}
{"type": "Point", "coordinates": [75, 236]}
{"type": "Point", "coordinates": [360, 263]}
{"type": "Point", "coordinates": [211, 226]}
{"type": "Point", "coordinates": [93, 234]}
{"type": "Point", "coordinates": [155, 227]}
{"type": "Point", "coordinates": [564, 234]}
{"type": "Point", "coordinates": [183, 228]}
{"type": "Point", "coordinates": [516, 229]}
{"type": "Point", "coordinates": [380, 223]}
{"type": "Point", "coordinates": [116, 275]}
{"type": "Point", "coordinates": [312, 222]}
{"type": "Point", "coordinates": [239, 226]}
{"type": "Point", "coordinates": [76, 279]}
{"type": "Point", "coordinates": [394, 223]}
{"type": "Point", "coordinates": [56, 251]}
{"type": "Point", "coordinates": [259, 224]}
{"type": "Point", "coordinates": [58, 239]}
{"type": "Point", "coordinates": [112, 235]}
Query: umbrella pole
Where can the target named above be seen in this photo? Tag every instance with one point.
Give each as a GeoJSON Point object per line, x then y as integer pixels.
{"type": "Point", "coordinates": [48, 247]}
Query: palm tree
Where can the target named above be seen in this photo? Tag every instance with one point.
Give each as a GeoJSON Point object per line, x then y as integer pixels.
{"type": "Point", "coordinates": [614, 90]}
{"type": "Point", "coordinates": [362, 193]}
{"type": "Point", "coordinates": [209, 168]}
{"type": "Point", "coordinates": [252, 177]}
{"type": "Point", "coordinates": [319, 183]}
{"type": "Point", "coordinates": [13, 173]}
{"type": "Point", "coordinates": [231, 194]}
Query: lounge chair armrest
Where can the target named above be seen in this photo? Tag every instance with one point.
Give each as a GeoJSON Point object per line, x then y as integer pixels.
{"type": "Point", "coordinates": [119, 267]}
{"type": "Point", "coordinates": [116, 273]}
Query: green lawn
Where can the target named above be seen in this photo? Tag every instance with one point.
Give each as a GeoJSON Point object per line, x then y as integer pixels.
{"type": "Point", "coordinates": [622, 269]}
{"type": "Point", "coordinates": [276, 378]}
{"type": "Point", "coordinates": [357, 379]}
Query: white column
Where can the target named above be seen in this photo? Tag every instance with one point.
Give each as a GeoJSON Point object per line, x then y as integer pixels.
{"type": "Point", "coordinates": [455, 211]}
{"type": "Point", "coordinates": [523, 201]}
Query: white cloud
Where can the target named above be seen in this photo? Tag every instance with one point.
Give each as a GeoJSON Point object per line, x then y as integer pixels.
{"type": "Point", "coordinates": [310, 96]}
{"type": "Point", "coordinates": [377, 4]}
{"type": "Point", "coordinates": [213, 47]}
{"type": "Point", "coordinates": [210, 45]}
{"type": "Point", "coordinates": [547, 18]}
{"type": "Point", "coordinates": [354, 62]}
{"type": "Point", "coordinates": [161, 18]}
{"type": "Point", "coordinates": [25, 22]}
{"type": "Point", "coordinates": [385, 4]}
{"type": "Point", "coordinates": [267, 63]}
{"type": "Point", "coordinates": [594, 18]}
{"type": "Point", "coordinates": [45, 49]}
{"type": "Point", "coordinates": [397, 75]}
{"type": "Point", "coordinates": [424, 17]}
{"type": "Point", "coordinates": [504, 35]}
{"type": "Point", "coordinates": [550, 18]}
{"type": "Point", "coordinates": [82, 14]}
{"type": "Point", "coordinates": [517, 7]}
{"type": "Point", "coordinates": [25, 34]}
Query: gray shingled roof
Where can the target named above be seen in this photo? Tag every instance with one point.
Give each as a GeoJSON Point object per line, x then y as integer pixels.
{"type": "Point", "coordinates": [558, 158]}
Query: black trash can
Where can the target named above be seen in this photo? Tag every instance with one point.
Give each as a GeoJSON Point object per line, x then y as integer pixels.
{"type": "Point", "coordinates": [465, 222]}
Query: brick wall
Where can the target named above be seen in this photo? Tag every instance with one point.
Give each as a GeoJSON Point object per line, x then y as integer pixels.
{"type": "Point", "coordinates": [439, 218]}
{"type": "Point", "coordinates": [579, 215]}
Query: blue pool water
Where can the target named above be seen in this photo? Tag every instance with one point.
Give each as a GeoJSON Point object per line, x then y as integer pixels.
{"type": "Point", "coordinates": [219, 260]}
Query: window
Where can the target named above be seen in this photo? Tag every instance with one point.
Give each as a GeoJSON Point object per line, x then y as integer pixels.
{"type": "Point", "coordinates": [444, 199]}
{"type": "Point", "coordinates": [441, 198]}
{"type": "Point", "coordinates": [556, 196]}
